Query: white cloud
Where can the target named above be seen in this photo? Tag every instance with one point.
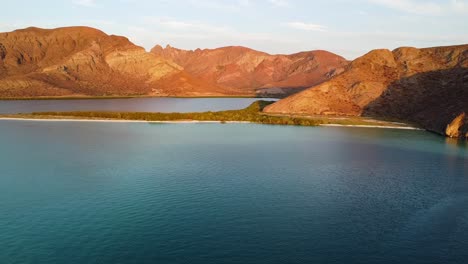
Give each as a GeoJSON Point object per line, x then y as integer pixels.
{"type": "Point", "coordinates": [199, 30]}
{"type": "Point", "coordinates": [425, 7]}
{"type": "Point", "coordinates": [220, 5]}
{"type": "Point", "coordinates": [192, 26]}
{"type": "Point", "coordinates": [187, 34]}
{"type": "Point", "coordinates": [362, 12]}
{"type": "Point", "coordinates": [244, 2]}
{"type": "Point", "coordinates": [306, 26]}
{"type": "Point", "coordinates": [97, 22]}
{"type": "Point", "coordinates": [279, 3]}
{"type": "Point", "coordinates": [459, 6]}
{"type": "Point", "coordinates": [87, 3]}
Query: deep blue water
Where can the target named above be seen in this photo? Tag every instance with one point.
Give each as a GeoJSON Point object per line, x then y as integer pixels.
{"type": "Point", "coordinates": [129, 104]}
{"type": "Point", "coordinates": [74, 192]}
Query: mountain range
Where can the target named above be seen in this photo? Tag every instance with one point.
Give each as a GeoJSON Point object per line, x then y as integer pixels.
{"type": "Point", "coordinates": [85, 61]}
{"type": "Point", "coordinates": [427, 87]}
{"type": "Point", "coordinates": [245, 70]}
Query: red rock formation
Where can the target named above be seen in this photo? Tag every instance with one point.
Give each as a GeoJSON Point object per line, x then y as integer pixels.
{"type": "Point", "coordinates": [425, 86]}
{"type": "Point", "coordinates": [77, 61]}
{"type": "Point", "coordinates": [249, 71]}
{"type": "Point", "coordinates": [86, 61]}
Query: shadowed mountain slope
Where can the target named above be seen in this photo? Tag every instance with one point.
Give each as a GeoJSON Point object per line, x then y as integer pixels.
{"type": "Point", "coordinates": [425, 86]}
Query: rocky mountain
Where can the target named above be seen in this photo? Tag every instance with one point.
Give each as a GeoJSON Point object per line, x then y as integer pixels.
{"type": "Point", "coordinates": [246, 70]}
{"type": "Point", "coordinates": [85, 61]}
{"type": "Point", "coordinates": [77, 61]}
{"type": "Point", "coordinates": [426, 86]}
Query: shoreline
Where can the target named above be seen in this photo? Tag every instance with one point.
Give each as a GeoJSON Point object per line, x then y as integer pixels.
{"type": "Point", "coordinates": [186, 122]}
{"type": "Point", "coordinates": [119, 120]}
{"type": "Point", "coordinates": [373, 126]}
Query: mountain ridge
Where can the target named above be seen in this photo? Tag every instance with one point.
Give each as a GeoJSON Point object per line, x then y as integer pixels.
{"type": "Point", "coordinates": [84, 61]}
{"type": "Point", "coordinates": [244, 68]}
{"type": "Point", "coordinates": [75, 60]}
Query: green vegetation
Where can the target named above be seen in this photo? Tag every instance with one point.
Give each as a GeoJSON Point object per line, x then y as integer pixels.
{"type": "Point", "coordinates": [250, 114]}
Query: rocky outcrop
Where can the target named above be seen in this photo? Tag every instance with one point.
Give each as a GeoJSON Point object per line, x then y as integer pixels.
{"type": "Point", "coordinates": [458, 128]}
{"type": "Point", "coordinates": [426, 86]}
{"type": "Point", "coordinates": [254, 72]}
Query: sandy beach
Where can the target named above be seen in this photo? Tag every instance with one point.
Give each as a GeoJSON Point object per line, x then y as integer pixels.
{"type": "Point", "coordinates": [185, 122]}
{"type": "Point", "coordinates": [371, 126]}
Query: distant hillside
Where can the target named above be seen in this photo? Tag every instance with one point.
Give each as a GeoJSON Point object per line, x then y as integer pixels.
{"type": "Point", "coordinates": [247, 70]}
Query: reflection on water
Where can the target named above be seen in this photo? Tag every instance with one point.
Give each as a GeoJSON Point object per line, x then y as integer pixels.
{"type": "Point", "coordinates": [405, 140]}
{"type": "Point", "coordinates": [456, 144]}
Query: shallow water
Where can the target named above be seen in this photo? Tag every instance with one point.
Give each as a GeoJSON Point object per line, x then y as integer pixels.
{"type": "Point", "coordinates": [128, 104]}
{"type": "Point", "coordinates": [78, 192]}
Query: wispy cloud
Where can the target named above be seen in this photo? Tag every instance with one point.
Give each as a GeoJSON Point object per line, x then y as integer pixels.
{"type": "Point", "coordinates": [170, 23]}
{"type": "Point", "coordinates": [306, 26]}
{"type": "Point", "coordinates": [97, 22]}
{"type": "Point", "coordinates": [425, 7]}
{"type": "Point", "coordinates": [193, 34]}
{"type": "Point", "coordinates": [459, 6]}
{"type": "Point", "coordinates": [244, 2]}
{"type": "Point", "coordinates": [279, 3]}
{"type": "Point", "coordinates": [86, 3]}
{"type": "Point", "coordinates": [220, 5]}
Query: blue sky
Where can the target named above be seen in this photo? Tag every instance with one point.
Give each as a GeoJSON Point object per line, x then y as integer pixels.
{"type": "Point", "coordinates": [347, 27]}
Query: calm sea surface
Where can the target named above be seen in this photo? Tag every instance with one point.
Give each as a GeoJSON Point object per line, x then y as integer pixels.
{"type": "Point", "coordinates": [77, 192]}
{"type": "Point", "coordinates": [130, 105]}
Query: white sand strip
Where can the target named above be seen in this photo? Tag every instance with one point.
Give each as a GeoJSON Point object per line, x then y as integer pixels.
{"type": "Point", "coordinates": [372, 126]}
{"type": "Point", "coordinates": [183, 122]}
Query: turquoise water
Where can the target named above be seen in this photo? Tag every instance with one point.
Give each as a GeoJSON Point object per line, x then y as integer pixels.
{"type": "Point", "coordinates": [77, 192]}
{"type": "Point", "coordinates": [130, 104]}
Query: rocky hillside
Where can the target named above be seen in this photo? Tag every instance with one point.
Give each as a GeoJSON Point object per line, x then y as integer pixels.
{"type": "Point", "coordinates": [246, 70]}
{"type": "Point", "coordinates": [76, 61]}
{"type": "Point", "coordinates": [425, 86]}
{"type": "Point", "coordinates": [85, 61]}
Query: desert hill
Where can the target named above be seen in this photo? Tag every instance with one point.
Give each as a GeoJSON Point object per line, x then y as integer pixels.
{"type": "Point", "coordinates": [85, 61]}
{"type": "Point", "coordinates": [245, 69]}
{"type": "Point", "coordinates": [425, 86]}
{"type": "Point", "coordinates": [76, 61]}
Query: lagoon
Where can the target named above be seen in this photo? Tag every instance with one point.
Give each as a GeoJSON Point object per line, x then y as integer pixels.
{"type": "Point", "coordinates": [160, 104]}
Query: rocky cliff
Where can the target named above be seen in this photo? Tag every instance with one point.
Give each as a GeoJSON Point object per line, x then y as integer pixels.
{"type": "Point", "coordinates": [425, 86]}
{"type": "Point", "coordinates": [251, 71]}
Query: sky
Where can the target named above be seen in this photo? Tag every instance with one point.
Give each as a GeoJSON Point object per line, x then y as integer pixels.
{"type": "Point", "coordinates": [349, 28]}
